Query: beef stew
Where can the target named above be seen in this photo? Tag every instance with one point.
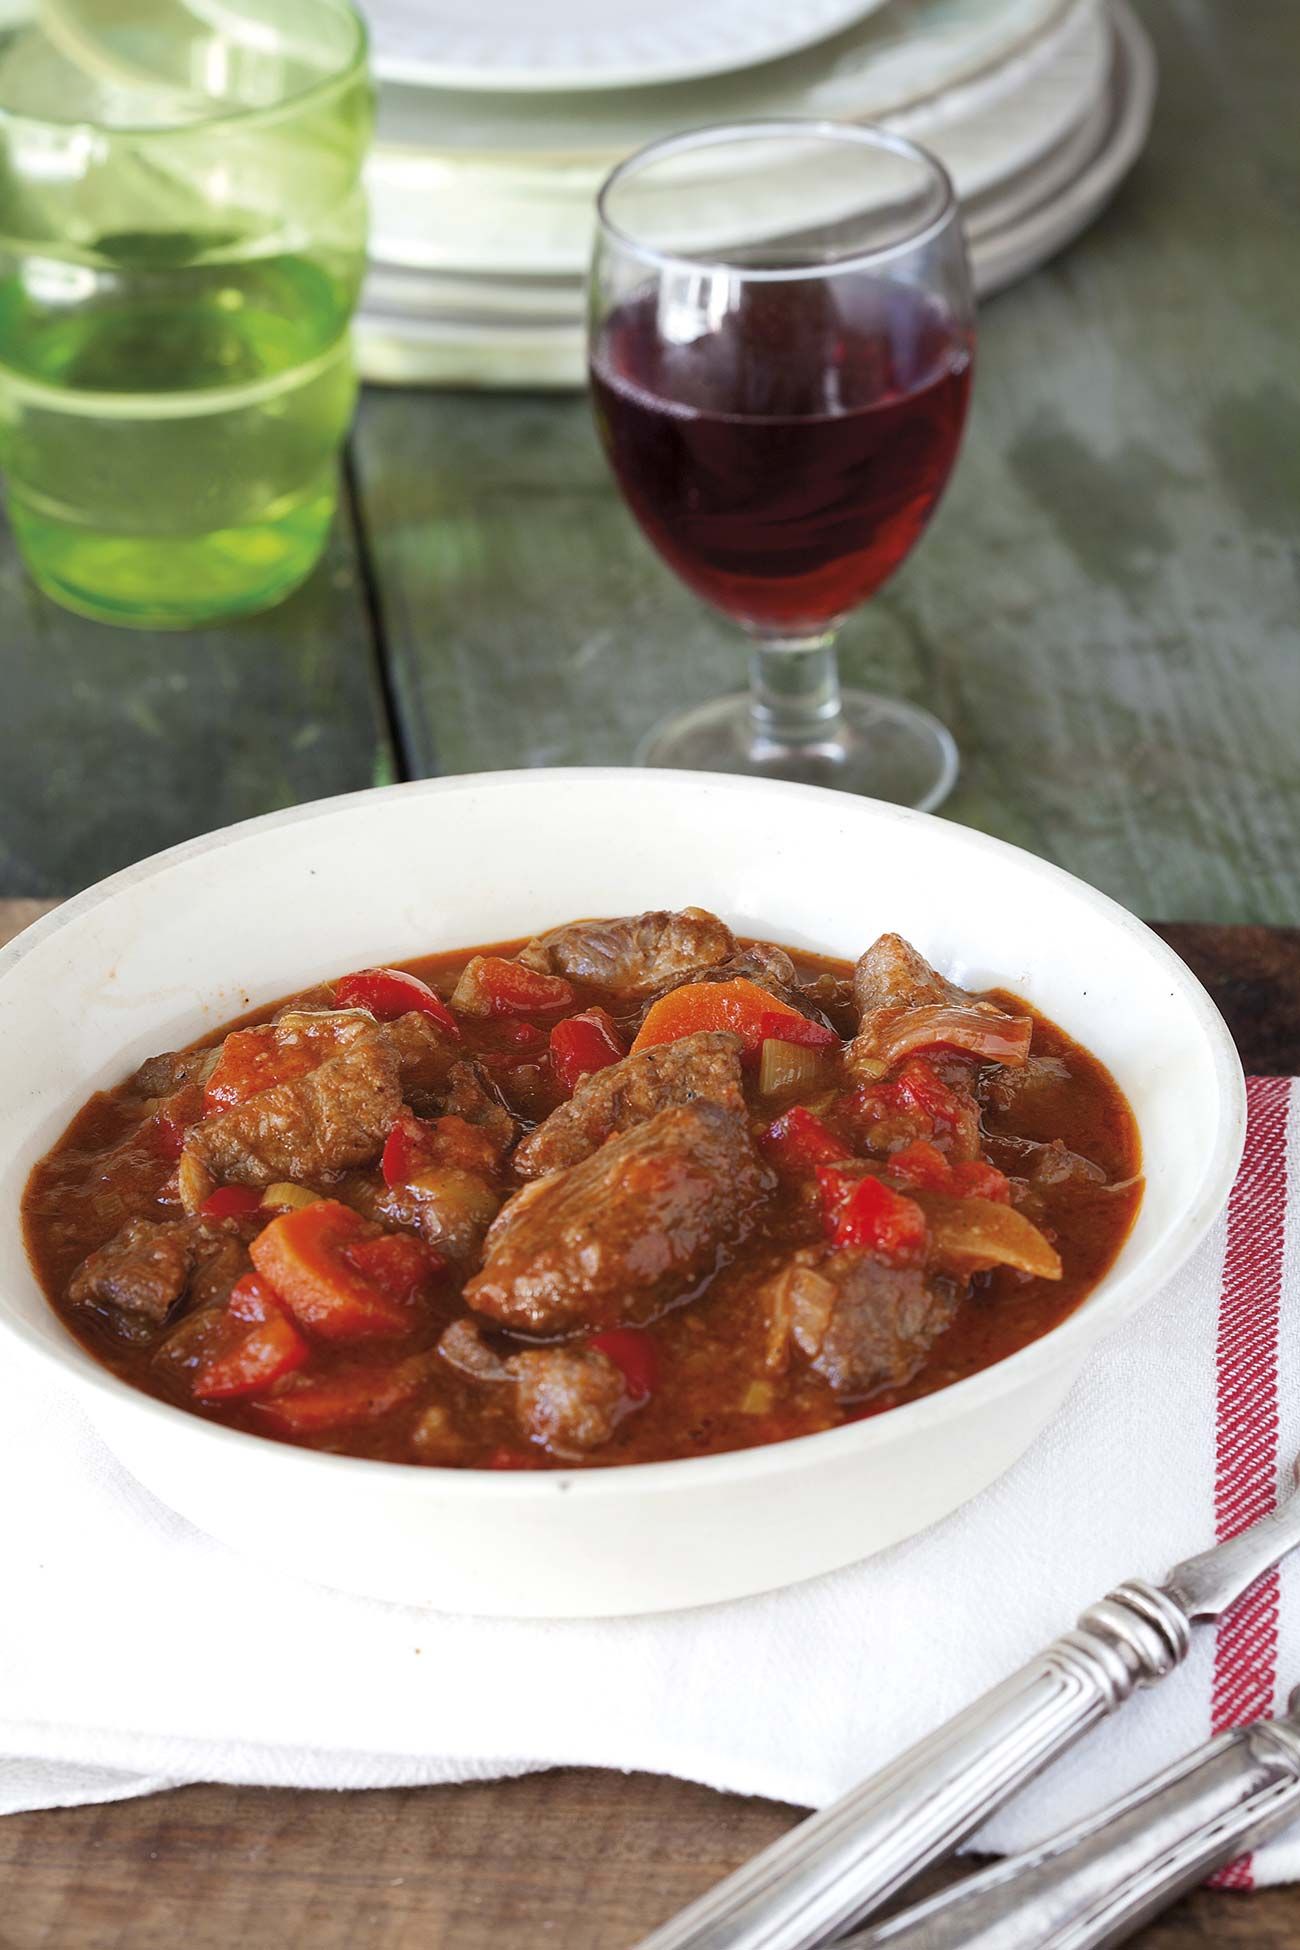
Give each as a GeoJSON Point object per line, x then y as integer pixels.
{"type": "Point", "coordinates": [632, 1191]}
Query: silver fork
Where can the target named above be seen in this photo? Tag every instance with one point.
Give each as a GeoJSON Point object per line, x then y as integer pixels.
{"type": "Point", "coordinates": [840, 1865]}
{"type": "Point", "coordinates": [1091, 1887]}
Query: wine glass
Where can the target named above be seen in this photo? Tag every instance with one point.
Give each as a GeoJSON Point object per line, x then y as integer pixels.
{"type": "Point", "coordinates": [781, 342]}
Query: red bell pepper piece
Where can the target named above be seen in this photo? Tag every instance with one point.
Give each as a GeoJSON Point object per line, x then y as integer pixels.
{"type": "Point", "coordinates": [408, 1148]}
{"type": "Point", "coordinates": [261, 1355]}
{"type": "Point", "coordinates": [980, 1180]}
{"type": "Point", "coordinates": [396, 1261]}
{"type": "Point", "coordinates": [391, 992]}
{"type": "Point", "coordinates": [834, 1190]}
{"type": "Point", "coordinates": [416, 1144]}
{"type": "Point", "coordinates": [918, 1087]}
{"type": "Point", "coordinates": [231, 1202]}
{"type": "Point", "coordinates": [634, 1353]}
{"type": "Point", "coordinates": [923, 1165]}
{"type": "Point", "coordinates": [798, 1140]}
{"type": "Point", "coordinates": [256, 1345]}
{"type": "Point", "coordinates": [880, 1220]}
{"type": "Point", "coordinates": [303, 1257]}
{"type": "Point", "coordinates": [581, 1045]}
{"type": "Point", "coordinates": [786, 1027]}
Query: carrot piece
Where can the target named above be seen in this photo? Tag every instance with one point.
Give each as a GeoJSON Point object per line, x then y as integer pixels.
{"type": "Point", "coordinates": [303, 1257]}
{"type": "Point", "coordinates": [739, 1005]}
{"type": "Point", "coordinates": [310, 1406]}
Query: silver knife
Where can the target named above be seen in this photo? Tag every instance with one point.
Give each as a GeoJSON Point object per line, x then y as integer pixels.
{"type": "Point", "coordinates": [834, 1869]}
{"type": "Point", "coordinates": [1091, 1887]}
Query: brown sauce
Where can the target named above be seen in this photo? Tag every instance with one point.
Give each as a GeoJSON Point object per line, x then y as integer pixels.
{"type": "Point", "coordinates": [713, 1391]}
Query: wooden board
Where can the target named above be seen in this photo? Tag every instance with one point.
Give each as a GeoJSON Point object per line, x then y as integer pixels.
{"type": "Point", "coordinates": [1105, 609]}
{"type": "Point", "coordinates": [584, 1859]}
{"type": "Point", "coordinates": [114, 743]}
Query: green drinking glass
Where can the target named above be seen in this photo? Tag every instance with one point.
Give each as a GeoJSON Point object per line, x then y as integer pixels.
{"type": "Point", "coordinates": [182, 241]}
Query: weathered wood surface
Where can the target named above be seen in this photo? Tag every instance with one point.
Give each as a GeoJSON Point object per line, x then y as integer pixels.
{"type": "Point", "coordinates": [579, 1858]}
{"type": "Point", "coordinates": [114, 743]}
{"type": "Point", "coordinates": [1105, 610]}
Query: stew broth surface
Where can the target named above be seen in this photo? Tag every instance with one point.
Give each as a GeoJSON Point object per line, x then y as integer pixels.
{"type": "Point", "coordinates": [714, 1387]}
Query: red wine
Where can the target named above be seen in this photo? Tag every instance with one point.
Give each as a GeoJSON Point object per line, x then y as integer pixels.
{"type": "Point", "coordinates": [785, 462]}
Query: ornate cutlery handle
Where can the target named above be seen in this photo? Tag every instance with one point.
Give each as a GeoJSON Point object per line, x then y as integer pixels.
{"type": "Point", "coordinates": [839, 1865]}
{"type": "Point", "coordinates": [1095, 1884]}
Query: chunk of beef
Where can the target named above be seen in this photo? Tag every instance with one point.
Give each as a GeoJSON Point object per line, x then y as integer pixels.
{"type": "Point", "coordinates": [1027, 1093]}
{"type": "Point", "coordinates": [862, 1324]}
{"type": "Point", "coordinates": [451, 1209]}
{"type": "Point", "coordinates": [162, 1076]}
{"type": "Point", "coordinates": [706, 1065]}
{"type": "Point", "coordinates": [568, 1399]}
{"type": "Point", "coordinates": [635, 955]}
{"type": "Point", "coordinates": [144, 1270]}
{"type": "Point", "coordinates": [335, 1116]}
{"type": "Point", "coordinates": [906, 1006]}
{"type": "Point", "coordinates": [462, 1345]}
{"type": "Point", "coordinates": [219, 1260]}
{"type": "Point", "coordinates": [895, 975]}
{"type": "Point", "coordinates": [766, 966]}
{"type": "Point", "coordinates": [627, 1230]}
{"type": "Point", "coordinates": [325, 1120]}
{"type": "Point", "coordinates": [468, 1097]}
{"type": "Point", "coordinates": [426, 1054]}
{"type": "Point", "coordinates": [1052, 1163]}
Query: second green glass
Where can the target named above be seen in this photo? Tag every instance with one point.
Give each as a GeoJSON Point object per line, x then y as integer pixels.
{"type": "Point", "coordinates": [182, 240]}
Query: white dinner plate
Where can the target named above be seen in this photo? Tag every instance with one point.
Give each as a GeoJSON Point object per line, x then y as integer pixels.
{"type": "Point", "coordinates": [912, 51]}
{"type": "Point", "coordinates": [518, 214]}
{"type": "Point", "coordinates": [476, 343]}
{"type": "Point", "coordinates": [582, 44]}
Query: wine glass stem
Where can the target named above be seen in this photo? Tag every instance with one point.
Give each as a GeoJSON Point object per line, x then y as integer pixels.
{"type": "Point", "coordinates": [794, 689]}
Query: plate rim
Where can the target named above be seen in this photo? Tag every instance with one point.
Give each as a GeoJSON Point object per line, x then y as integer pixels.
{"type": "Point", "coordinates": [823, 19]}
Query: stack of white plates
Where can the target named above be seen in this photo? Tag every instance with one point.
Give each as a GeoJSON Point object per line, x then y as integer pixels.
{"type": "Point", "coordinates": [497, 123]}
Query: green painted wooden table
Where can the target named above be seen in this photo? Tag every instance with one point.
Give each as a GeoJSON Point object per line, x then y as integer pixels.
{"type": "Point", "coordinates": [1105, 610]}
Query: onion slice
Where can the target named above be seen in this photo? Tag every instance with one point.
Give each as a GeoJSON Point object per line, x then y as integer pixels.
{"type": "Point", "coordinates": [977, 1229]}
{"type": "Point", "coordinates": [888, 1035]}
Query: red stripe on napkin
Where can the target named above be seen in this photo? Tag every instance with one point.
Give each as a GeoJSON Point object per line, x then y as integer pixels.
{"type": "Point", "coordinates": [1246, 1437]}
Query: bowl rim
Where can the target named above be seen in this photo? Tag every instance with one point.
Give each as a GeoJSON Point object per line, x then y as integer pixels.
{"type": "Point", "coordinates": [1088, 1323]}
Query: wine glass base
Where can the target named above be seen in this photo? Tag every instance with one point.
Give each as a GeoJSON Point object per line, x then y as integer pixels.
{"type": "Point", "coordinates": [879, 746]}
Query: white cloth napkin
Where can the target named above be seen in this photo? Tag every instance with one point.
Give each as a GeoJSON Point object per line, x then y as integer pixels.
{"type": "Point", "coordinates": [136, 1654]}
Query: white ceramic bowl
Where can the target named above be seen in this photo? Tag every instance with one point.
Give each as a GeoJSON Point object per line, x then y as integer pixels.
{"type": "Point", "coordinates": [167, 950]}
